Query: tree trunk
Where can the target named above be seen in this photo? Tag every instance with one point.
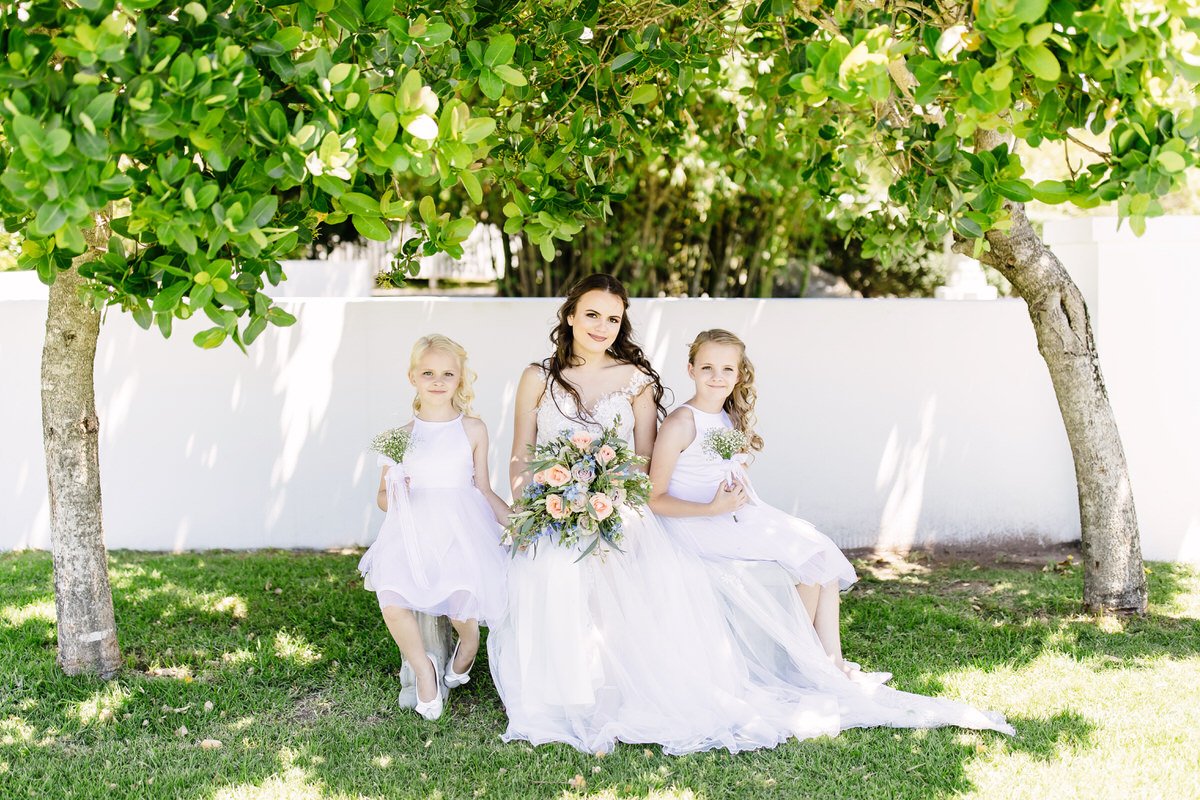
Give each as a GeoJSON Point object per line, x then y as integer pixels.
{"type": "Point", "coordinates": [87, 632]}
{"type": "Point", "coordinates": [1113, 576]}
{"type": "Point", "coordinates": [437, 634]}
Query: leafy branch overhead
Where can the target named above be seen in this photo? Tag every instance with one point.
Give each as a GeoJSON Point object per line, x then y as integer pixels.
{"type": "Point", "coordinates": [214, 138]}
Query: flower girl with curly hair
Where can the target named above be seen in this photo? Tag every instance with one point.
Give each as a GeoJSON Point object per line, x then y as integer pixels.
{"type": "Point", "coordinates": [438, 550]}
{"type": "Point", "coordinates": [704, 494]}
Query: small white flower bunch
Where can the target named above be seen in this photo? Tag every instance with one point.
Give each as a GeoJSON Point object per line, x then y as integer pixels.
{"type": "Point", "coordinates": [724, 443]}
{"type": "Point", "coordinates": [392, 443]}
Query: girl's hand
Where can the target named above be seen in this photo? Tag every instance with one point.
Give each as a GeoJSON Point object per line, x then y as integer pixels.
{"type": "Point", "coordinates": [729, 498]}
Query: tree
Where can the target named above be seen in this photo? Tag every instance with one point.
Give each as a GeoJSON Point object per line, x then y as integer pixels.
{"type": "Point", "coordinates": [914, 113]}
{"type": "Point", "coordinates": [161, 160]}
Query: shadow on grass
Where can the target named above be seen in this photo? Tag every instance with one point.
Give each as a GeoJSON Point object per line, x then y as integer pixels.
{"type": "Point", "coordinates": [302, 684]}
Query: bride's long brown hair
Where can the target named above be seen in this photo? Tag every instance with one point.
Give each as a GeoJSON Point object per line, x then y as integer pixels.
{"type": "Point", "coordinates": [623, 348]}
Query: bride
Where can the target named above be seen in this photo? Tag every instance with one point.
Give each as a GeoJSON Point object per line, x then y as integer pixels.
{"type": "Point", "coordinates": [649, 643]}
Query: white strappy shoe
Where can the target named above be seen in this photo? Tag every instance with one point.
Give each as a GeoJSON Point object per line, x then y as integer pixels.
{"type": "Point", "coordinates": [454, 679]}
{"type": "Point", "coordinates": [431, 709]}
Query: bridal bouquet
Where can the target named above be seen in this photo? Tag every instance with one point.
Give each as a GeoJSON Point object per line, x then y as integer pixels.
{"type": "Point", "coordinates": [579, 480]}
{"type": "Point", "coordinates": [392, 443]}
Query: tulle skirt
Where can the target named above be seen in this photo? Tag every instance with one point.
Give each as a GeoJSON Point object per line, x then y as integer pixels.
{"type": "Point", "coordinates": [447, 561]}
{"type": "Point", "coordinates": [654, 645]}
{"type": "Point", "coordinates": [764, 533]}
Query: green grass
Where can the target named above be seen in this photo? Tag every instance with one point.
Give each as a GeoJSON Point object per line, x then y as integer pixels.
{"type": "Point", "coordinates": [303, 684]}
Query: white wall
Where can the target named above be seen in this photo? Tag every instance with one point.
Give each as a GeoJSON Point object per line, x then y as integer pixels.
{"type": "Point", "coordinates": [1142, 293]}
{"type": "Point", "coordinates": [889, 422]}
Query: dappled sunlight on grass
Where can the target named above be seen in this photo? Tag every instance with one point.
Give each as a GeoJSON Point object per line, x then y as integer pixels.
{"type": "Point", "coordinates": [104, 705]}
{"type": "Point", "coordinates": [293, 647]}
{"type": "Point", "coordinates": [299, 687]}
{"type": "Point", "coordinates": [17, 615]}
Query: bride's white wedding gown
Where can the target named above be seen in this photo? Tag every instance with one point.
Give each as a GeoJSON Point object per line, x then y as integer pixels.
{"type": "Point", "coordinates": [652, 645]}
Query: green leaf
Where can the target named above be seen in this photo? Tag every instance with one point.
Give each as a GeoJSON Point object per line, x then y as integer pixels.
{"type": "Point", "coordinates": [459, 229]}
{"type": "Point", "coordinates": [1017, 191]}
{"type": "Point", "coordinates": [1051, 192]}
{"type": "Point", "coordinates": [509, 75]}
{"type": "Point", "coordinates": [626, 62]}
{"type": "Point", "coordinates": [183, 70]}
{"type": "Point", "coordinates": [547, 248]}
{"type": "Point", "coordinates": [1170, 161]}
{"type": "Point", "coordinates": [169, 298]}
{"type": "Point", "coordinates": [968, 227]}
{"type": "Point", "coordinates": [427, 209]}
{"type": "Point", "coordinates": [359, 203]}
{"type": "Point", "coordinates": [478, 129]}
{"type": "Point", "coordinates": [500, 50]}
{"type": "Point", "coordinates": [471, 184]}
{"type": "Point", "coordinates": [371, 227]}
{"type": "Point", "coordinates": [210, 338]}
{"type": "Point", "coordinates": [1041, 62]}
{"type": "Point", "coordinates": [644, 95]}
{"type": "Point", "coordinates": [490, 84]}
{"type": "Point", "coordinates": [288, 38]}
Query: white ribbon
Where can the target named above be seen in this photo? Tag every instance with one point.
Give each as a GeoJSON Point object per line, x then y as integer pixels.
{"type": "Point", "coordinates": [735, 471]}
{"type": "Point", "coordinates": [400, 517]}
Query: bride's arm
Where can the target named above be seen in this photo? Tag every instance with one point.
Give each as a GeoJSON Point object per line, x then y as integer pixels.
{"type": "Point", "coordinates": [645, 423]}
{"type": "Point", "coordinates": [529, 393]}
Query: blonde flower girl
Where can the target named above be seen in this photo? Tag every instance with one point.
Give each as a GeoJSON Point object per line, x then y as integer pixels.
{"type": "Point", "coordinates": [438, 550]}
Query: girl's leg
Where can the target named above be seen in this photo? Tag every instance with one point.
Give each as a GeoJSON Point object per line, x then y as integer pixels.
{"type": "Point", "coordinates": [468, 643]}
{"type": "Point", "coordinates": [402, 624]}
{"type": "Point", "coordinates": [827, 621]}
{"type": "Point", "coordinates": [810, 595]}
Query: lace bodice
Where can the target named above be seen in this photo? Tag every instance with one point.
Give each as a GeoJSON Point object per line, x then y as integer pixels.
{"type": "Point", "coordinates": [553, 418]}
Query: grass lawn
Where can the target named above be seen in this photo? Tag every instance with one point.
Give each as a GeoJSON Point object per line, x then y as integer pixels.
{"type": "Point", "coordinates": [283, 659]}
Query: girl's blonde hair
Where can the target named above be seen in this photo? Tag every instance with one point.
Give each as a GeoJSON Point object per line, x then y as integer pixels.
{"type": "Point", "coordinates": [465, 395]}
{"type": "Point", "coordinates": [740, 403]}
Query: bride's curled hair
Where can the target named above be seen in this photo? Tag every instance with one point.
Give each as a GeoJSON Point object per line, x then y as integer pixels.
{"type": "Point", "coordinates": [623, 349]}
{"type": "Point", "coordinates": [465, 394]}
{"type": "Point", "coordinates": [740, 403]}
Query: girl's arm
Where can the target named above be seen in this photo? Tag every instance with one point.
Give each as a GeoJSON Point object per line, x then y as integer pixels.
{"type": "Point", "coordinates": [381, 495]}
{"type": "Point", "coordinates": [677, 432]}
{"type": "Point", "coordinates": [645, 424]}
{"type": "Point", "coordinates": [478, 436]}
{"type": "Point", "coordinates": [529, 392]}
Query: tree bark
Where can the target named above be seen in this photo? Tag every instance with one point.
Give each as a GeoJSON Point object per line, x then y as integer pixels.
{"type": "Point", "coordinates": [1113, 575]}
{"type": "Point", "coordinates": [87, 633]}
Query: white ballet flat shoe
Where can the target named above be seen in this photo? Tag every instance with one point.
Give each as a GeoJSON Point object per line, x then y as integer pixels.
{"type": "Point", "coordinates": [454, 679]}
{"type": "Point", "coordinates": [431, 709]}
{"type": "Point", "coordinates": [856, 675]}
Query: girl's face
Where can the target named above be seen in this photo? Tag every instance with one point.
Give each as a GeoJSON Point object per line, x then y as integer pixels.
{"type": "Point", "coordinates": [596, 321]}
{"type": "Point", "coordinates": [715, 369]}
{"type": "Point", "coordinates": [436, 377]}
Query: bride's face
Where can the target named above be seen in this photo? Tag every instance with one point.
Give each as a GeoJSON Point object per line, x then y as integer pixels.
{"type": "Point", "coordinates": [715, 369]}
{"type": "Point", "coordinates": [596, 321]}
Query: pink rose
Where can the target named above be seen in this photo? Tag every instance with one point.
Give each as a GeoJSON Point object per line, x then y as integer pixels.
{"type": "Point", "coordinates": [605, 454]}
{"type": "Point", "coordinates": [555, 507]}
{"type": "Point", "coordinates": [539, 477]}
{"type": "Point", "coordinates": [582, 439]}
{"type": "Point", "coordinates": [557, 475]}
{"type": "Point", "coordinates": [602, 507]}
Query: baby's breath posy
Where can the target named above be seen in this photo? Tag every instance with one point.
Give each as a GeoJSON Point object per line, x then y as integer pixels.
{"type": "Point", "coordinates": [392, 443]}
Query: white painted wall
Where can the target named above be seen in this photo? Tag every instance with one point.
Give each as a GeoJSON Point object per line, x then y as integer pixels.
{"type": "Point", "coordinates": [888, 422]}
{"type": "Point", "coordinates": [1142, 293]}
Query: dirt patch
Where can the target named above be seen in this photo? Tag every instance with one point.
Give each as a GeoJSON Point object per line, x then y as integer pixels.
{"type": "Point", "coordinates": [1028, 555]}
{"type": "Point", "coordinates": [311, 706]}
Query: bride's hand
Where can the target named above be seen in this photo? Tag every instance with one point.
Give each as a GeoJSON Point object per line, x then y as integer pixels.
{"type": "Point", "coordinates": [730, 497]}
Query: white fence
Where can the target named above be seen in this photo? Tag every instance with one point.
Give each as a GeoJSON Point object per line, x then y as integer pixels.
{"type": "Point", "coordinates": [888, 422]}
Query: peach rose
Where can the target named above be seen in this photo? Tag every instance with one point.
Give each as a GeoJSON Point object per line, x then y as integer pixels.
{"type": "Point", "coordinates": [601, 505]}
{"type": "Point", "coordinates": [539, 477]}
{"type": "Point", "coordinates": [555, 507]}
{"type": "Point", "coordinates": [582, 439]}
{"type": "Point", "coordinates": [557, 475]}
{"type": "Point", "coordinates": [605, 454]}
